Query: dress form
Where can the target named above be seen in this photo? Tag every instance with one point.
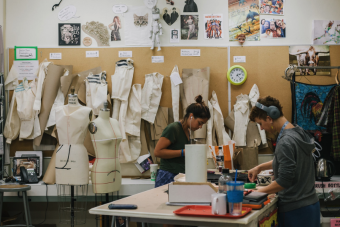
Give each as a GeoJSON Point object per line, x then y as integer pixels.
{"type": "Point", "coordinates": [106, 137]}
{"type": "Point", "coordinates": [71, 157]}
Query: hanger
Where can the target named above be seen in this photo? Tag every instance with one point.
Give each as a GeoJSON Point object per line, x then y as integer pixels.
{"type": "Point", "coordinates": [336, 77]}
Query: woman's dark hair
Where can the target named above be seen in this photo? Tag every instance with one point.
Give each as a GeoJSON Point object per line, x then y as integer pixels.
{"type": "Point", "coordinates": [198, 109]}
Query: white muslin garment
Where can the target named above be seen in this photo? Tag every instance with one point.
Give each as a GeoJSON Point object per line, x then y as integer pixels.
{"type": "Point", "coordinates": [12, 126]}
{"type": "Point", "coordinates": [122, 80]}
{"type": "Point", "coordinates": [96, 91]}
{"type": "Point", "coordinates": [130, 146]}
{"type": "Point", "coordinates": [151, 96]}
{"type": "Point", "coordinates": [210, 124]}
{"type": "Point", "coordinates": [12, 79]}
{"type": "Point", "coordinates": [241, 109]}
{"type": "Point", "coordinates": [25, 96]}
{"type": "Point", "coordinates": [195, 82]}
{"type": "Point", "coordinates": [72, 163]}
{"type": "Point", "coordinates": [175, 94]}
{"type": "Point", "coordinates": [222, 135]}
{"type": "Point", "coordinates": [41, 78]}
{"type": "Point", "coordinates": [134, 111]}
{"type": "Point", "coordinates": [254, 95]}
{"type": "Point", "coordinates": [59, 101]}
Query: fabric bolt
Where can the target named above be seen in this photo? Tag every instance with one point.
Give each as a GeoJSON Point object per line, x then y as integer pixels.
{"type": "Point", "coordinates": [96, 91]}
{"type": "Point", "coordinates": [218, 122]}
{"type": "Point", "coordinates": [254, 95]}
{"type": "Point", "coordinates": [195, 82]}
{"type": "Point", "coordinates": [242, 112]}
{"type": "Point", "coordinates": [122, 79]}
{"type": "Point", "coordinates": [175, 94]}
{"type": "Point", "coordinates": [25, 95]}
{"type": "Point", "coordinates": [134, 111]}
{"type": "Point", "coordinates": [71, 158]}
{"type": "Point", "coordinates": [151, 96]}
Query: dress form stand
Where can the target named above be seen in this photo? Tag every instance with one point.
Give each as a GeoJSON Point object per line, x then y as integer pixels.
{"type": "Point", "coordinates": [72, 175]}
{"type": "Point", "coordinates": [106, 171]}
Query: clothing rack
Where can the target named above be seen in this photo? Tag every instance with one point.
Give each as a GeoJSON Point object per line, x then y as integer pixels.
{"type": "Point", "coordinates": [291, 69]}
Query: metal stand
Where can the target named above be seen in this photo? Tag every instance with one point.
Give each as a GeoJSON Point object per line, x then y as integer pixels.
{"type": "Point", "coordinates": [101, 199]}
{"type": "Point", "coordinates": [72, 201]}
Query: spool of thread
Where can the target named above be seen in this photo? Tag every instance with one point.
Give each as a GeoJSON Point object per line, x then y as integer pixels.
{"type": "Point", "coordinates": [195, 163]}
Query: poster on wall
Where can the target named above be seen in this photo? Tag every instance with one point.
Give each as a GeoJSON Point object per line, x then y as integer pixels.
{"type": "Point", "coordinates": [213, 26]}
{"type": "Point", "coordinates": [273, 28]}
{"type": "Point", "coordinates": [137, 26]}
{"type": "Point", "coordinates": [69, 34]}
{"type": "Point", "coordinates": [310, 56]}
{"type": "Point", "coordinates": [190, 6]}
{"type": "Point", "coordinates": [170, 16]}
{"type": "Point", "coordinates": [174, 35]}
{"type": "Point", "coordinates": [244, 18]}
{"type": "Point", "coordinates": [326, 32]}
{"type": "Point", "coordinates": [115, 26]}
{"type": "Point", "coordinates": [189, 27]}
{"type": "Point", "coordinates": [271, 7]}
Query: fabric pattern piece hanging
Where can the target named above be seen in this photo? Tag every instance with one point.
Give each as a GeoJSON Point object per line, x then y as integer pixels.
{"type": "Point", "coordinates": [242, 112]}
{"type": "Point", "coordinates": [151, 96]}
{"type": "Point", "coordinates": [175, 94]}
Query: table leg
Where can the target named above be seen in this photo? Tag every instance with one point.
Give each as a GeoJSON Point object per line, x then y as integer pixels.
{"type": "Point", "coordinates": [1, 200]}
{"type": "Point", "coordinates": [28, 211]}
{"type": "Point", "coordinates": [24, 195]}
{"type": "Point", "coordinates": [127, 221]}
{"type": "Point", "coordinates": [144, 224]}
{"type": "Point", "coordinates": [113, 222]}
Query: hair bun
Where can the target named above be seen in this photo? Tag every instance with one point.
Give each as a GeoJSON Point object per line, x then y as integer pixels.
{"type": "Point", "coordinates": [199, 99]}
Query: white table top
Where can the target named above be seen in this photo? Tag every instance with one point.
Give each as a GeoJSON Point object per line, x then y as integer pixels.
{"type": "Point", "coordinates": [129, 187]}
{"type": "Point", "coordinates": [152, 205]}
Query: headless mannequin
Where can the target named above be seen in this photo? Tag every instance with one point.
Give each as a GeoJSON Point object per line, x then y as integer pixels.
{"type": "Point", "coordinates": [106, 136]}
{"type": "Point", "coordinates": [71, 157]}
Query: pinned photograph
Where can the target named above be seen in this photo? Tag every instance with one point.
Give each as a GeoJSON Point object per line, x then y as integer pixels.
{"type": "Point", "coordinates": [174, 35]}
{"type": "Point", "coordinates": [114, 27]}
{"type": "Point", "coordinates": [244, 19]}
{"type": "Point", "coordinates": [141, 21]}
{"type": "Point", "coordinates": [213, 26]}
{"type": "Point", "coordinates": [273, 28]}
{"type": "Point", "coordinates": [310, 56]}
{"type": "Point", "coordinates": [170, 2]}
{"type": "Point", "coordinates": [170, 16]}
{"type": "Point", "coordinates": [326, 32]}
{"type": "Point", "coordinates": [190, 6]}
{"type": "Point", "coordinates": [69, 34]}
{"type": "Point", "coordinates": [271, 7]}
{"type": "Point", "coordinates": [189, 27]}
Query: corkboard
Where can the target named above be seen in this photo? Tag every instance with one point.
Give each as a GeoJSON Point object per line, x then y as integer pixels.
{"type": "Point", "coordinates": [214, 57]}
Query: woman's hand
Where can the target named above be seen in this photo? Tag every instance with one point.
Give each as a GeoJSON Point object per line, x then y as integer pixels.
{"type": "Point", "coordinates": [252, 174]}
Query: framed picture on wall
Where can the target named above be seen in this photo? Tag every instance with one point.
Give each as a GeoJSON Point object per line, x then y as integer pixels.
{"type": "Point", "coordinates": [69, 34]}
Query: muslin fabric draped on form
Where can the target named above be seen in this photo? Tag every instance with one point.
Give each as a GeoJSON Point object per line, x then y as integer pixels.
{"type": "Point", "coordinates": [195, 82]}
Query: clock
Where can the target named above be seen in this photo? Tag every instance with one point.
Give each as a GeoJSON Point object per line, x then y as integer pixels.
{"type": "Point", "coordinates": [237, 75]}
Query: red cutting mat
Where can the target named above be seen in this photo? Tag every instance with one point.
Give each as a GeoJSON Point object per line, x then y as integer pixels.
{"type": "Point", "coordinates": [205, 211]}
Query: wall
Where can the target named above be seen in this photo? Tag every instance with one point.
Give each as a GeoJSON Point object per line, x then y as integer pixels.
{"type": "Point", "coordinates": [33, 23]}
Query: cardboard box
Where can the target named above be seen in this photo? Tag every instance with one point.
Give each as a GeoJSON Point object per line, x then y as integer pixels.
{"type": "Point", "coordinates": [185, 192]}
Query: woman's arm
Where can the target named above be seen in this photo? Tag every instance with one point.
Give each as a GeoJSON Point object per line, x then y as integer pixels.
{"type": "Point", "coordinates": [110, 25]}
{"type": "Point", "coordinates": [252, 174]}
{"type": "Point", "coordinates": [271, 189]}
{"type": "Point", "coordinates": [161, 150]}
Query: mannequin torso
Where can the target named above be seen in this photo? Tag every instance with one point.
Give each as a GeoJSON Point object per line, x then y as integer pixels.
{"type": "Point", "coordinates": [106, 174]}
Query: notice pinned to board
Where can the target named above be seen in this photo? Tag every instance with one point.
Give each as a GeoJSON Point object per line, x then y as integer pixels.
{"type": "Point", "coordinates": [55, 56]}
{"type": "Point", "coordinates": [119, 8]}
{"type": "Point", "coordinates": [239, 58]}
{"type": "Point", "coordinates": [25, 53]}
{"type": "Point", "coordinates": [157, 59]}
{"type": "Point", "coordinates": [28, 69]}
{"type": "Point", "coordinates": [190, 52]}
{"type": "Point", "coordinates": [67, 13]}
{"type": "Point", "coordinates": [125, 54]}
{"type": "Point", "coordinates": [92, 54]}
